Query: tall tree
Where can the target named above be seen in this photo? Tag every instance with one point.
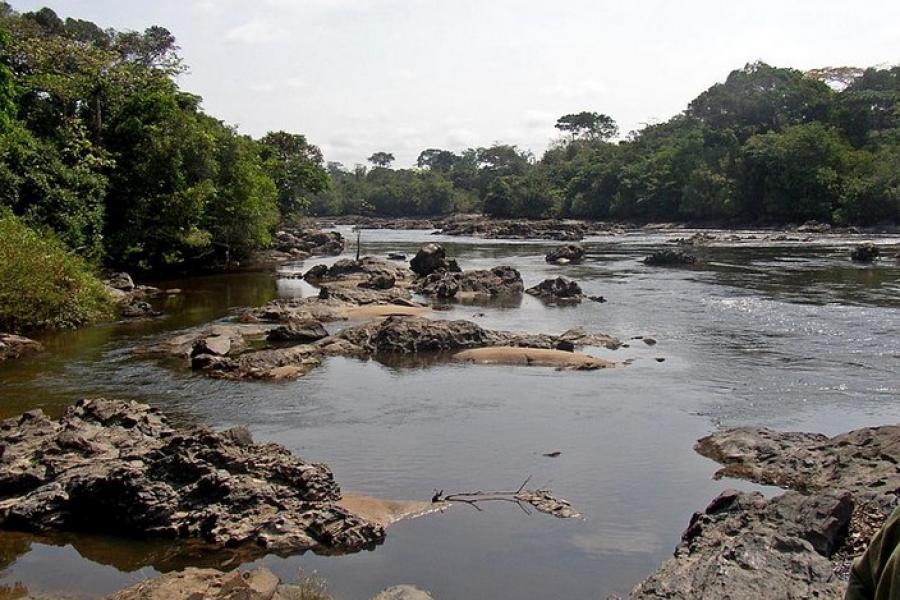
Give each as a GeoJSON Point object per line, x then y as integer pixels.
{"type": "Point", "coordinates": [588, 125]}
{"type": "Point", "coordinates": [382, 159]}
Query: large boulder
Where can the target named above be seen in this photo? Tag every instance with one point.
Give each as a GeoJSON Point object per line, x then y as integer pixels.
{"type": "Point", "coordinates": [429, 258]}
{"type": "Point", "coordinates": [566, 254]}
{"type": "Point", "coordinates": [119, 467]}
{"type": "Point", "coordinates": [557, 291]}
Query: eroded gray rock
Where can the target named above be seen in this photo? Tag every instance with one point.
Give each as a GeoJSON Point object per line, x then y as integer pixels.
{"type": "Point", "coordinates": [119, 467]}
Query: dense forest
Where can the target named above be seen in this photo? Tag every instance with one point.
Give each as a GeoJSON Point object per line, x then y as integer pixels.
{"type": "Point", "coordinates": [100, 146]}
{"type": "Point", "coordinates": [768, 146]}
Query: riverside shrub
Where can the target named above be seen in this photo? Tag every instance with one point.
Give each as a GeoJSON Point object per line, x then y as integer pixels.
{"type": "Point", "coordinates": [42, 284]}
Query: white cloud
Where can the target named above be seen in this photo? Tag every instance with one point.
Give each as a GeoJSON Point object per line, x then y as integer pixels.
{"type": "Point", "coordinates": [539, 119]}
{"type": "Point", "coordinates": [256, 31]}
{"type": "Point", "coordinates": [206, 6]}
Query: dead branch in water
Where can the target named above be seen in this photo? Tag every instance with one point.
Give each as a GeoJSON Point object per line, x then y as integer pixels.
{"type": "Point", "coordinates": [540, 499]}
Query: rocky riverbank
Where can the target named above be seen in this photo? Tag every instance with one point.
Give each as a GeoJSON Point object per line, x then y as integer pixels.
{"type": "Point", "coordinates": [120, 467]}
{"type": "Point", "coordinates": [798, 544]}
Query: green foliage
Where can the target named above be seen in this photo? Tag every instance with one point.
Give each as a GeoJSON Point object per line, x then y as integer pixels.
{"type": "Point", "coordinates": [794, 175]}
{"type": "Point", "coordinates": [44, 285]}
{"type": "Point", "coordinates": [296, 168]}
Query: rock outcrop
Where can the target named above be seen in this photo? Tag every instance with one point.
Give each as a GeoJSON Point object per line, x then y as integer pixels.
{"type": "Point", "coordinates": [304, 242]}
{"type": "Point", "coordinates": [798, 544]}
{"type": "Point", "coordinates": [567, 254]}
{"type": "Point", "coordinates": [483, 283]}
{"type": "Point", "coordinates": [14, 346]}
{"type": "Point", "coordinates": [743, 546]}
{"type": "Point", "coordinates": [557, 291]}
{"type": "Point", "coordinates": [119, 467]}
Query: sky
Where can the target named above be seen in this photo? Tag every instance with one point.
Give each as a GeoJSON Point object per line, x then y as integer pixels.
{"type": "Point", "coordinates": [359, 76]}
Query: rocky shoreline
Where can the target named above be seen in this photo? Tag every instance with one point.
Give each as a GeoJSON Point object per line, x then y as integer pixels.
{"type": "Point", "coordinates": [795, 545]}
{"type": "Point", "coordinates": [111, 466]}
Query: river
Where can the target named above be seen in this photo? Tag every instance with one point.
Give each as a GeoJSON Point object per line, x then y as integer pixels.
{"type": "Point", "coordinates": [784, 334]}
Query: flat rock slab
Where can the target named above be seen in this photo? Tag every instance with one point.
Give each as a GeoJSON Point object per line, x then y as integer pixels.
{"type": "Point", "coordinates": [118, 467]}
{"type": "Point", "coordinates": [538, 357]}
{"type": "Point", "coordinates": [861, 460]}
{"type": "Point", "coordinates": [206, 584]}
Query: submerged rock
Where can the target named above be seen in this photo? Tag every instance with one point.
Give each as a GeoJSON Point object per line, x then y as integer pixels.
{"type": "Point", "coordinates": [865, 253]}
{"type": "Point", "coordinates": [557, 291]}
{"type": "Point", "coordinates": [403, 592]}
{"type": "Point", "coordinates": [119, 467]}
{"type": "Point", "coordinates": [563, 255]}
{"type": "Point", "coordinates": [669, 258]}
{"type": "Point", "coordinates": [14, 346]}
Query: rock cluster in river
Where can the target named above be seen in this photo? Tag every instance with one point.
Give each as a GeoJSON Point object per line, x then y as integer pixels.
{"type": "Point", "coordinates": [132, 301]}
{"type": "Point", "coordinates": [564, 255]}
{"type": "Point", "coordinates": [557, 291]}
{"type": "Point", "coordinates": [304, 242]}
{"type": "Point", "coordinates": [798, 544]}
{"type": "Point", "coordinates": [669, 258]}
{"type": "Point", "coordinates": [120, 467]}
{"type": "Point", "coordinates": [485, 283]}
{"type": "Point", "coordinates": [14, 346]}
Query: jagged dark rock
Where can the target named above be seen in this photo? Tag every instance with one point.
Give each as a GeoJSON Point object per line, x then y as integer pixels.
{"type": "Point", "coordinates": [119, 467]}
{"type": "Point", "coordinates": [669, 258]}
{"type": "Point", "coordinates": [865, 253]}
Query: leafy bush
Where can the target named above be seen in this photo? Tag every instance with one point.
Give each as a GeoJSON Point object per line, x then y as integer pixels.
{"type": "Point", "coordinates": [42, 284]}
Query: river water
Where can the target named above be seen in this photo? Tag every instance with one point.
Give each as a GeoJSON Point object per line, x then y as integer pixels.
{"type": "Point", "coordinates": [783, 334]}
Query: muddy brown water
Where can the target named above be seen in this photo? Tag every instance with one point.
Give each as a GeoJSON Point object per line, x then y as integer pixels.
{"type": "Point", "coordinates": [789, 335]}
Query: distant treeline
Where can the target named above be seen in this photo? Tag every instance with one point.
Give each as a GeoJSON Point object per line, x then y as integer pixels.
{"type": "Point", "coordinates": [100, 147]}
{"type": "Point", "coordinates": [767, 146]}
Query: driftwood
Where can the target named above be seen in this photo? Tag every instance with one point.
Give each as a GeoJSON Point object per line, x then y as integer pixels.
{"type": "Point", "coordinates": [541, 499]}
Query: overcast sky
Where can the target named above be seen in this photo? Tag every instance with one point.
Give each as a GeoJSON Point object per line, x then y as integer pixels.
{"type": "Point", "coordinates": [358, 76]}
